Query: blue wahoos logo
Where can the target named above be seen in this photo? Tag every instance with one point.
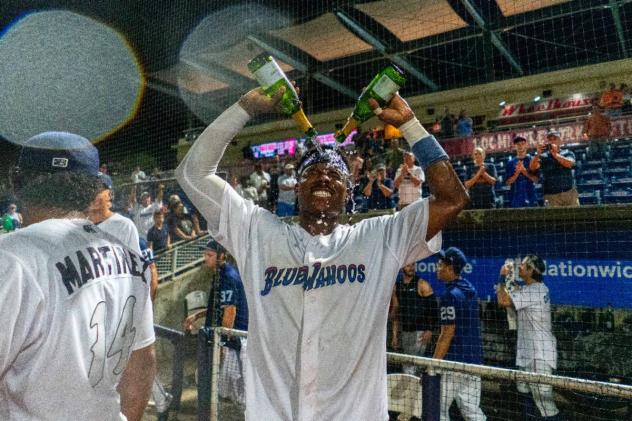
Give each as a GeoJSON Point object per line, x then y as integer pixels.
{"type": "Point", "coordinates": [319, 277]}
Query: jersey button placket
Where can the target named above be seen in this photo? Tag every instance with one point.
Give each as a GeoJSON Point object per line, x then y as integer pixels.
{"type": "Point", "coordinates": [309, 346]}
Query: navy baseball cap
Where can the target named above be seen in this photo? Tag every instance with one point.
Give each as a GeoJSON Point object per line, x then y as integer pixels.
{"type": "Point", "coordinates": [213, 245]}
{"type": "Point", "coordinates": [519, 138]}
{"type": "Point", "coordinates": [59, 151]}
{"type": "Point", "coordinates": [106, 180]}
{"type": "Point", "coordinates": [454, 257]}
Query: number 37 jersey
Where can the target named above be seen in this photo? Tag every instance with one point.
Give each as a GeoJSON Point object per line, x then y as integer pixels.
{"type": "Point", "coordinates": [74, 304]}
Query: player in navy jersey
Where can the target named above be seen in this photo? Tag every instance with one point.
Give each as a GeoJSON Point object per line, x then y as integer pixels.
{"type": "Point", "coordinates": [233, 314]}
{"type": "Point", "coordinates": [460, 338]}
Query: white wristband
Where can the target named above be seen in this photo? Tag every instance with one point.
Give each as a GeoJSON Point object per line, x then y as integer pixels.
{"type": "Point", "coordinates": [413, 131]}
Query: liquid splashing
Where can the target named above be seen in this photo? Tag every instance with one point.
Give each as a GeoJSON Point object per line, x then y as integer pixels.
{"type": "Point", "coordinates": [316, 143]}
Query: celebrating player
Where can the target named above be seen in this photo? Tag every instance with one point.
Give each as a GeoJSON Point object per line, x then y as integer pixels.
{"type": "Point", "coordinates": [318, 291]}
{"type": "Point", "coordinates": [78, 335]}
{"type": "Point", "coordinates": [537, 348]}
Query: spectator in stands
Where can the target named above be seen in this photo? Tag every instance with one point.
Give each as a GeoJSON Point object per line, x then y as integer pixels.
{"type": "Point", "coordinates": [233, 315]}
{"type": "Point", "coordinates": [460, 337]}
{"type": "Point", "coordinates": [155, 174]}
{"type": "Point", "coordinates": [627, 97]}
{"type": "Point", "coordinates": [612, 100]}
{"type": "Point", "coordinates": [415, 311]}
{"type": "Point", "coordinates": [142, 213]}
{"type": "Point", "coordinates": [138, 175]}
{"type": "Point", "coordinates": [182, 227]}
{"type": "Point", "coordinates": [436, 127]}
{"type": "Point", "coordinates": [464, 125]}
{"type": "Point", "coordinates": [556, 165]}
{"type": "Point", "coordinates": [597, 130]}
{"type": "Point", "coordinates": [248, 191]}
{"type": "Point", "coordinates": [394, 156]}
{"type": "Point", "coordinates": [480, 181]}
{"type": "Point", "coordinates": [158, 237]}
{"type": "Point", "coordinates": [536, 350]}
{"type": "Point", "coordinates": [273, 191]}
{"type": "Point", "coordinates": [408, 179]}
{"type": "Point", "coordinates": [520, 178]}
{"type": "Point", "coordinates": [355, 166]}
{"type": "Point", "coordinates": [260, 180]}
{"type": "Point", "coordinates": [286, 205]}
{"type": "Point", "coordinates": [12, 219]}
{"type": "Point", "coordinates": [379, 189]}
{"type": "Point", "coordinates": [447, 124]}
{"type": "Point", "coordinates": [103, 169]}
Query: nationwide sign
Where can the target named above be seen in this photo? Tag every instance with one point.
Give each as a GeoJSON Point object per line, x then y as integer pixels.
{"type": "Point", "coordinates": [552, 105]}
{"type": "Point", "coordinates": [580, 282]}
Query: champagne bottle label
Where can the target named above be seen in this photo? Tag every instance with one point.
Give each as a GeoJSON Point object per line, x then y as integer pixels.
{"type": "Point", "coordinates": [385, 88]}
{"type": "Point", "coordinates": [268, 74]}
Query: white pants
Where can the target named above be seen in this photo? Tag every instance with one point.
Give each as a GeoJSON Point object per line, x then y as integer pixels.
{"type": "Point", "coordinates": [466, 390]}
{"type": "Point", "coordinates": [542, 393]}
{"type": "Point", "coordinates": [231, 374]}
{"type": "Point", "coordinates": [411, 344]}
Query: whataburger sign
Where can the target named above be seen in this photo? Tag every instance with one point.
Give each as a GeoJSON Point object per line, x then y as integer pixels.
{"type": "Point", "coordinates": [553, 105]}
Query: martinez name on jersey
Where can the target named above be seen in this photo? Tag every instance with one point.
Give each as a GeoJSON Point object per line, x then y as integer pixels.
{"type": "Point", "coordinates": [83, 266]}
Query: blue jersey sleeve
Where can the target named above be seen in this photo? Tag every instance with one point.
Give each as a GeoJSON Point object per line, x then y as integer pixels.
{"type": "Point", "coordinates": [448, 309]}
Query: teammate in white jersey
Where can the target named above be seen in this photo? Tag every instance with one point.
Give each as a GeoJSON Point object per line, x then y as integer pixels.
{"type": "Point", "coordinates": [77, 339]}
{"type": "Point", "coordinates": [536, 350]}
{"type": "Point", "coordinates": [318, 291]}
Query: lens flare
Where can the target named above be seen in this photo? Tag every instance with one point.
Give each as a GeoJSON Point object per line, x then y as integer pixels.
{"type": "Point", "coordinates": [66, 72]}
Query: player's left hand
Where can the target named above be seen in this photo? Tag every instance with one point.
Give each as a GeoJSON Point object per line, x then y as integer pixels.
{"type": "Point", "coordinates": [395, 113]}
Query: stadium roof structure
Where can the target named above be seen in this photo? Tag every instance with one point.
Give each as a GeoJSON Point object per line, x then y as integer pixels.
{"type": "Point", "coordinates": [332, 48]}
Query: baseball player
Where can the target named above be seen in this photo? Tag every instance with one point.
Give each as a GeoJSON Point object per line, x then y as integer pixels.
{"type": "Point", "coordinates": [233, 315]}
{"type": "Point", "coordinates": [78, 334]}
{"type": "Point", "coordinates": [460, 337]}
{"type": "Point", "coordinates": [536, 350]}
{"type": "Point", "coordinates": [318, 291]}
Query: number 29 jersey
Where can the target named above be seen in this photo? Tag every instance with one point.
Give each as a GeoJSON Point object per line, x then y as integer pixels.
{"type": "Point", "coordinates": [74, 304]}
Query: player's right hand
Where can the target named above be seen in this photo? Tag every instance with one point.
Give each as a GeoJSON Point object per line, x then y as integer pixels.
{"type": "Point", "coordinates": [396, 112]}
{"type": "Point", "coordinates": [256, 101]}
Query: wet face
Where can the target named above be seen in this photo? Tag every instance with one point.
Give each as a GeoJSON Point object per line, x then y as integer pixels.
{"type": "Point", "coordinates": [322, 189]}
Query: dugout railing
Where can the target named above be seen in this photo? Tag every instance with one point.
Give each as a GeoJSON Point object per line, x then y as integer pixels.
{"type": "Point", "coordinates": [208, 356]}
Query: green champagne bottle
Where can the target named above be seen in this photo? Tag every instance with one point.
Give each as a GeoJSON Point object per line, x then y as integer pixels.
{"type": "Point", "coordinates": [270, 76]}
{"type": "Point", "coordinates": [382, 88]}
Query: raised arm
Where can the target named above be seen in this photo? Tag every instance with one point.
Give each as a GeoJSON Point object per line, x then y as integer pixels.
{"type": "Point", "coordinates": [448, 194]}
{"type": "Point", "coordinates": [196, 172]}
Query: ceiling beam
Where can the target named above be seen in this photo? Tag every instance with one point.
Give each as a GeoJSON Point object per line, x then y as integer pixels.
{"type": "Point", "coordinates": [299, 60]}
{"type": "Point", "coordinates": [616, 16]}
{"type": "Point", "coordinates": [494, 38]}
{"type": "Point", "coordinates": [349, 18]}
{"type": "Point", "coordinates": [230, 77]}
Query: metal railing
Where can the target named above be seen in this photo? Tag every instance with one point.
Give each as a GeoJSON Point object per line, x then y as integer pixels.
{"type": "Point", "coordinates": [181, 257]}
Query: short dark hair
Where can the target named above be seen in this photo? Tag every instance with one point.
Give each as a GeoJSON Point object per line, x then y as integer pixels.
{"type": "Point", "coordinates": [68, 191]}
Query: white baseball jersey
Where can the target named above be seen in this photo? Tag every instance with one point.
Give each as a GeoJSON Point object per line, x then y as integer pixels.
{"type": "Point", "coordinates": [318, 308]}
{"type": "Point", "coordinates": [536, 342]}
{"type": "Point", "coordinates": [408, 192]}
{"type": "Point", "coordinates": [124, 229]}
{"type": "Point", "coordinates": [317, 305]}
{"type": "Point", "coordinates": [75, 304]}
